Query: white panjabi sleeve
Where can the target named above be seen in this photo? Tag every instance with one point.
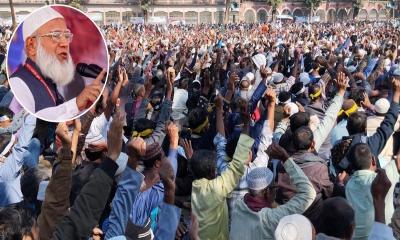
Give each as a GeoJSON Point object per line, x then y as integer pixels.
{"type": "Point", "coordinates": [63, 112]}
{"type": "Point", "coordinates": [22, 93]}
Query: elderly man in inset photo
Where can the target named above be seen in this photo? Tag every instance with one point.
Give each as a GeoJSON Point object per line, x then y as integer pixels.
{"type": "Point", "coordinates": [48, 67]}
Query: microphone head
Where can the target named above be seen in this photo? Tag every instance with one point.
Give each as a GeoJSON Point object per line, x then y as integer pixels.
{"type": "Point", "coordinates": [85, 70]}
{"type": "Point", "coordinates": [80, 68]}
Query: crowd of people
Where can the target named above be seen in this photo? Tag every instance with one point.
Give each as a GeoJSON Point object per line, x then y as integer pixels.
{"type": "Point", "coordinates": [238, 131]}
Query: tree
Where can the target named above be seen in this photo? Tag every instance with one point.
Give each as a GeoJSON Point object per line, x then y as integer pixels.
{"type": "Point", "coordinates": [274, 5]}
{"type": "Point", "coordinates": [77, 4]}
{"type": "Point", "coordinates": [313, 5]}
{"type": "Point", "coordinates": [357, 5]}
{"type": "Point", "coordinates": [14, 21]}
{"type": "Point", "coordinates": [144, 6]}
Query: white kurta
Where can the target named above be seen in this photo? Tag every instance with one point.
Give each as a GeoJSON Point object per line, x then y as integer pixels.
{"type": "Point", "coordinates": [23, 94]}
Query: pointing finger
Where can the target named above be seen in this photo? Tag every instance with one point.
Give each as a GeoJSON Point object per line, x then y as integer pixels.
{"type": "Point", "coordinates": [99, 78]}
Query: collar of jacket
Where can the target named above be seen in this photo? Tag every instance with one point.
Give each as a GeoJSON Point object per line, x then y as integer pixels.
{"type": "Point", "coordinates": [363, 172]}
{"type": "Point", "coordinates": [305, 158]}
{"type": "Point", "coordinates": [35, 66]}
{"type": "Point", "coordinates": [323, 236]}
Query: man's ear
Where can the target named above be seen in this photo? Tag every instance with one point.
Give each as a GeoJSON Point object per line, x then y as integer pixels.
{"type": "Point", "coordinates": [30, 47]}
{"type": "Point", "coordinates": [313, 144]}
{"type": "Point", "coordinates": [351, 232]}
{"type": "Point", "coordinates": [157, 164]}
{"type": "Point", "coordinates": [373, 161]}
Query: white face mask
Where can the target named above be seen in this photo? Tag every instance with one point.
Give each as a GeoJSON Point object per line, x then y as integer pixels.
{"type": "Point", "coordinates": [134, 64]}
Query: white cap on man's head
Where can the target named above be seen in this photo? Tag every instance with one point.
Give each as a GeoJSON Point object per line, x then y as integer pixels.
{"type": "Point", "coordinates": [259, 178]}
{"type": "Point", "coordinates": [37, 19]}
{"type": "Point", "coordinates": [294, 227]}
{"type": "Point", "coordinates": [259, 60]}
{"type": "Point", "coordinates": [250, 76]}
{"type": "Point", "coordinates": [277, 77]}
{"type": "Point", "coordinates": [382, 106]}
{"type": "Point", "coordinates": [304, 78]}
{"type": "Point", "coordinates": [292, 108]}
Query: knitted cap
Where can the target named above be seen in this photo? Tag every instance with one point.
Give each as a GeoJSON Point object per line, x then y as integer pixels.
{"type": "Point", "coordinates": [153, 151]}
{"type": "Point", "coordinates": [259, 178]}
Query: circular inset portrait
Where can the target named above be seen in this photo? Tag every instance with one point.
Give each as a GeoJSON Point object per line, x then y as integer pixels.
{"type": "Point", "coordinates": [57, 63]}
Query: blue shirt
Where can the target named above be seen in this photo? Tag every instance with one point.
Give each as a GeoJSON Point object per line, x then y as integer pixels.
{"type": "Point", "coordinates": [339, 132]}
{"type": "Point", "coordinates": [146, 201]}
{"type": "Point", "coordinates": [128, 188]}
{"type": "Point", "coordinates": [10, 175]}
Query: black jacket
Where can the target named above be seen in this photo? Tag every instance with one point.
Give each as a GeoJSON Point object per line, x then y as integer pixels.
{"type": "Point", "coordinates": [89, 205]}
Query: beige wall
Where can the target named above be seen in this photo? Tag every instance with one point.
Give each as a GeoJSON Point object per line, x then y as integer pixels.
{"type": "Point", "coordinates": [207, 11]}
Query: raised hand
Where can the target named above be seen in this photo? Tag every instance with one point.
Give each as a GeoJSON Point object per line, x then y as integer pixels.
{"type": "Point", "coordinates": [62, 134]}
{"type": "Point", "coordinates": [366, 103]}
{"type": "Point", "coordinates": [271, 95]}
{"type": "Point", "coordinates": [120, 74]}
{"type": "Point", "coordinates": [265, 72]}
{"type": "Point", "coordinates": [114, 135]}
{"type": "Point", "coordinates": [342, 178]}
{"type": "Point", "coordinates": [187, 146]}
{"type": "Point", "coordinates": [90, 93]}
{"type": "Point", "coordinates": [219, 102]}
{"type": "Point", "coordinates": [342, 83]}
{"type": "Point", "coordinates": [277, 152]}
{"type": "Point", "coordinates": [381, 185]}
{"type": "Point", "coordinates": [173, 133]}
{"type": "Point", "coordinates": [77, 125]}
{"type": "Point", "coordinates": [396, 90]}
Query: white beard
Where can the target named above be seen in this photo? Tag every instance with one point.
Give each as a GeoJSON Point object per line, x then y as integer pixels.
{"type": "Point", "coordinates": [51, 67]}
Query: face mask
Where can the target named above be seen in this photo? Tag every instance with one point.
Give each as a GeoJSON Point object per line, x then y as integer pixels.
{"type": "Point", "coordinates": [134, 64]}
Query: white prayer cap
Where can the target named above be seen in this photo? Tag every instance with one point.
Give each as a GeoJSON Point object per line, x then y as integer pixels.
{"type": "Point", "coordinates": [304, 78]}
{"type": "Point", "coordinates": [294, 227]}
{"type": "Point", "coordinates": [37, 19]}
{"type": "Point", "coordinates": [382, 106]}
{"type": "Point", "coordinates": [277, 77]}
{"type": "Point", "coordinates": [250, 76]}
{"type": "Point", "coordinates": [291, 108]}
{"type": "Point", "coordinates": [259, 60]}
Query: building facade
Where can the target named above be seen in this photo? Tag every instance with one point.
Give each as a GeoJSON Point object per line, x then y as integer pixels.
{"type": "Point", "coordinates": [208, 11]}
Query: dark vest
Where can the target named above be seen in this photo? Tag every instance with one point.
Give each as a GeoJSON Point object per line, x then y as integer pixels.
{"type": "Point", "coordinates": [39, 92]}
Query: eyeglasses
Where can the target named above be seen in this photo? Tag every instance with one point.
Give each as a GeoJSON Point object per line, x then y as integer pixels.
{"type": "Point", "coordinates": [58, 35]}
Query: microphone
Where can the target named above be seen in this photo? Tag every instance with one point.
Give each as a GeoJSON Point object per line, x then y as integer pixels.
{"type": "Point", "coordinates": [89, 70]}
